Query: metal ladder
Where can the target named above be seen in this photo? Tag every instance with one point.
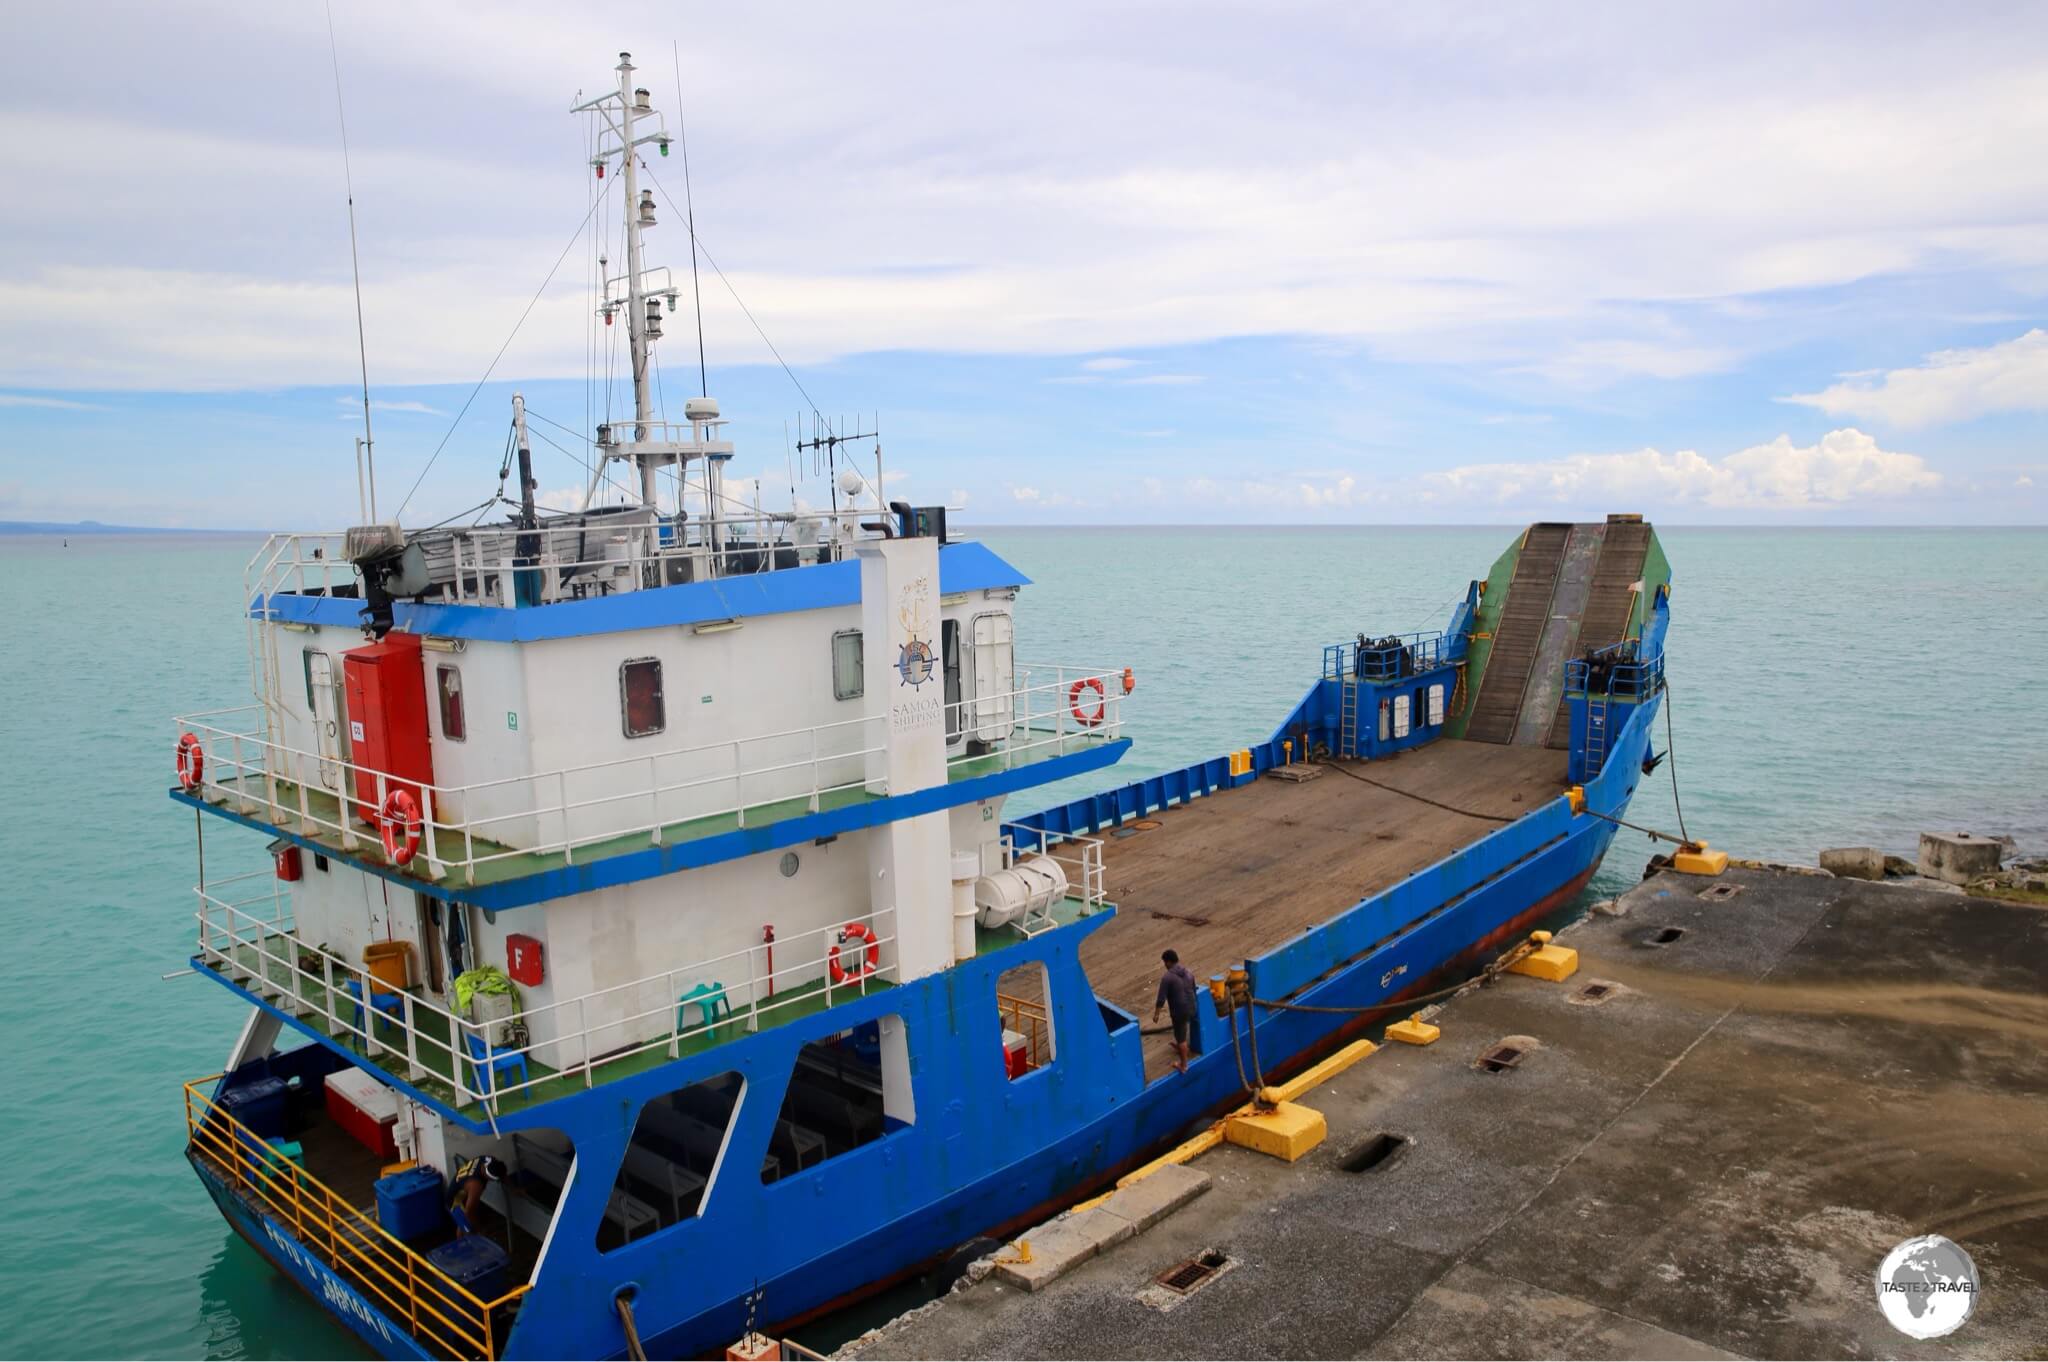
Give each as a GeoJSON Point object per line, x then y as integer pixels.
{"type": "Point", "coordinates": [1596, 733]}
{"type": "Point", "coordinates": [1347, 724]}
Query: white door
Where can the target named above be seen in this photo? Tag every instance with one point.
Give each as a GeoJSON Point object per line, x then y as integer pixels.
{"type": "Point", "coordinates": [995, 670]}
{"type": "Point", "coordinates": [326, 717]}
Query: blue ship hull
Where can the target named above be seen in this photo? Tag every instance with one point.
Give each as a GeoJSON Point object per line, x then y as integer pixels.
{"type": "Point", "coordinates": [985, 1155]}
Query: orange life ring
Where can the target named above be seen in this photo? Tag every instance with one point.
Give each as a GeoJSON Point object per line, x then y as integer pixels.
{"type": "Point", "coordinates": [400, 820]}
{"type": "Point", "coordinates": [854, 931]}
{"type": "Point", "coordinates": [1082, 716]}
{"type": "Point", "coordinates": [191, 761]}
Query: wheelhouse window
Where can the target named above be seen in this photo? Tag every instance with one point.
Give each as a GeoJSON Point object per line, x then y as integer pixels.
{"type": "Point", "coordinates": [448, 687]}
{"type": "Point", "coordinates": [849, 677]}
{"type": "Point", "coordinates": [640, 699]}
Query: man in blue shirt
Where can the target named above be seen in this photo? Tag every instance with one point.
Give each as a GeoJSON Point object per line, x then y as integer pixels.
{"type": "Point", "coordinates": [1177, 996]}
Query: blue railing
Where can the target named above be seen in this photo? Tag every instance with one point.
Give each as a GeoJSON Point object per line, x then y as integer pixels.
{"type": "Point", "coordinates": [1384, 659]}
{"type": "Point", "coordinates": [1616, 671]}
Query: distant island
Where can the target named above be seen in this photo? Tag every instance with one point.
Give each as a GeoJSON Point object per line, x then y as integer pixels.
{"type": "Point", "coordinates": [84, 527]}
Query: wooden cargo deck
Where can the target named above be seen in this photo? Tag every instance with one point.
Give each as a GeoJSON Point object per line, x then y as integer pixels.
{"type": "Point", "coordinates": [1239, 872]}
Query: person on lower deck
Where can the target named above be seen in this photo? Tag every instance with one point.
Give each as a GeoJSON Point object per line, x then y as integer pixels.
{"type": "Point", "coordinates": [1177, 996]}
{"type": "Point", "coordinates": [467, 1189]}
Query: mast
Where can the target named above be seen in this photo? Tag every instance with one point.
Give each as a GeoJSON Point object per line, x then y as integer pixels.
{"type": "Point", "coordinates": [636, 324]}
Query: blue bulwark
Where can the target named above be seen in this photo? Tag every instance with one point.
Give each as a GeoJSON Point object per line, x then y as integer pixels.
{"type": "Point", "coordinates": [962, 567]}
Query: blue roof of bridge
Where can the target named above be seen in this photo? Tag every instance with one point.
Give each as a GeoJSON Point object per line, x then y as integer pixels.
{"type": "Point", "coordinates": [962, 567]}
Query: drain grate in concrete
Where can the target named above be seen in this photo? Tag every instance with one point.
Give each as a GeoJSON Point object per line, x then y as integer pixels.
{"type": "Point", "coordinates": [1596, 992]}
{"type": "Point", "coordinates": [1185, 1278]}
{"type": "Point", "coordinates": [1719, 892]}
{"type": "Point", "coordinates": [1500, 1059]}
{"type": "Point", "coordinates": [1664, 936]}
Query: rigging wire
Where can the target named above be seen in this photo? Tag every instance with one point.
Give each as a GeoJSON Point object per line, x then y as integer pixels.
{"type": "Point", "coordinates": [609, 481]}
{"type": "Point", "coordinates": [492, 367]}
{"type": "Point", "coordinates": [690, 203]}
{"type": "Point", "coordinates": [354, 260]}
{"type": "Point", "coordinates": [712, 261]}
{"type": "Point", "coordinates": [1395, 789]}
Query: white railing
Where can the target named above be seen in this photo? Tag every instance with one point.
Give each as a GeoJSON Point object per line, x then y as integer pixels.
{"type": "Point", "coordinates": [574, 1037]}
{"type": "Point", "coordinates": [629, 551]}
{"type": "Point", "coordinates": [1080, 857]}
{"type": "Point", "coordinates": [465, 827]}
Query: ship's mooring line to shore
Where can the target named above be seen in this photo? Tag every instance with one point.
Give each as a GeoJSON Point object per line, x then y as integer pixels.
{"type": "Point", "coordinates": [1671, 755]}
{"type": "Point", "coordinates": [1479, 980]}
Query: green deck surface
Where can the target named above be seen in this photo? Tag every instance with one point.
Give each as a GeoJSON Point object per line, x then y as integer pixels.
{"type": "Point", "coordinates": [497, 863]}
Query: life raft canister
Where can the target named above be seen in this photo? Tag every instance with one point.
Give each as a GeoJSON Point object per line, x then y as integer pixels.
{"type": "Point", "coordinates": [1088, 718]}
{"type": "Point", "coordinates": [862, 967]}
{"type": "Point", "coordinates": [400, 823]}
{"type": "Point", "coordinates": [191, 761]}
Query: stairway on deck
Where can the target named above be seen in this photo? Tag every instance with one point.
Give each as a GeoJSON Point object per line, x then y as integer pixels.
{"type": "Point", "coordinates": [1519, 633]}
{"type": "Point", "coordinates": [1609, 604]}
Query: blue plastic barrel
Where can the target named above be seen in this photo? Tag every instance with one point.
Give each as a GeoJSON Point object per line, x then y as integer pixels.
{"type": "Point", "coordinates": [258, 1104]}
{"type": "Point", "coordinates": [409, 1203]}
{"type": "Point", "coordinates": [475, 1262]}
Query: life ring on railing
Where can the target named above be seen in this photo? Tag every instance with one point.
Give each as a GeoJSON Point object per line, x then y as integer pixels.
{"type": "Point", "coordinates": [854, 931]}
{"type": "Point", "coordinates": [400, 824]}
{"type": "Point", "coordinates": [191, 761]}
{"type": "Point", "coordinates": [1082, 716]}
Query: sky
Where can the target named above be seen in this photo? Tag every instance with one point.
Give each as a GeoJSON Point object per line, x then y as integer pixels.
{"type": "Point", "coordinates": [1185, 263]}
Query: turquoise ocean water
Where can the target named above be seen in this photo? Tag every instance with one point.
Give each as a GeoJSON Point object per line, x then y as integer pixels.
{"type": "Point", "coordinates": [1828, 686]}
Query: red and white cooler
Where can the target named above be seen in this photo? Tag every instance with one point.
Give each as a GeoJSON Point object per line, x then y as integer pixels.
{"type": "Point", "coordinates": [364, 1108]}
{"type": "Point", "coordinates": [1016, 1053]}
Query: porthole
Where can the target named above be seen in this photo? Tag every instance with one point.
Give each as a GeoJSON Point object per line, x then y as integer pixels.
{"type": "Point", "coordinates": [789, 863]}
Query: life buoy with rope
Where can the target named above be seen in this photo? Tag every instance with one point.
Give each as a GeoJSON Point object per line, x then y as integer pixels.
{"type": "Point", "coordinates": [1084, 717]}
{"type": "Point", "coordinates": [862, 966]}
{"type": "Point", "coordinates": [400, 824]}
{"type": "Point", "coordinates": [191, 761]}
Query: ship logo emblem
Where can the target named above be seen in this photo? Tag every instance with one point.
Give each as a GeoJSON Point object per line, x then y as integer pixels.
{"type": "Point", "coordinates": [914, 662]}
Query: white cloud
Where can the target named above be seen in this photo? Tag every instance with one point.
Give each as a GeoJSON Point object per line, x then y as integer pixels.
{"type": "Point", "coordinates": [1953, 385]}
{"type": "Point", "coordinates": [1162, 381]}
{"type": "Point", "coordinates": [355, 404]}
{"type": "Point", "coordinates": [1229, 181]}
{"type": "Point", "coordinates": [2023, 481]}
{"type": "Point", "coordinates": [1027, 495]}
{"type": "Point", "coordinates": [1110, 363]}
{"type": "Point", "coordinates": [54, 403]}
{"type": "Point", "coordinates": [1845, 468]}
{"type": "Point", "coordinates": [959, 498]}
{"type": "Point", "coordinates": [1303, 493]}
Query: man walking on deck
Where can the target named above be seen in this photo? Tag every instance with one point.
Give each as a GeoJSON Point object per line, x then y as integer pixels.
{"type": "Point", "coordinates": [1177, 996]}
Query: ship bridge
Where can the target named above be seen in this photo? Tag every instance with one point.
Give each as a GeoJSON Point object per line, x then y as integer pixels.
{"type": "Point", "coordinates": [504, 839]}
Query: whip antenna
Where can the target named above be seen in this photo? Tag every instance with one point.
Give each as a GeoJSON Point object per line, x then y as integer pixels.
{"type": "Point", "coordinates": [365, 458]}
{"type": "Point", "coordinates": [690, 213]}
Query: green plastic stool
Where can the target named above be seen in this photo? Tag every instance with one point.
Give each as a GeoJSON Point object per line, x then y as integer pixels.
{"type": "Point", "coordinates": [710, 999]}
